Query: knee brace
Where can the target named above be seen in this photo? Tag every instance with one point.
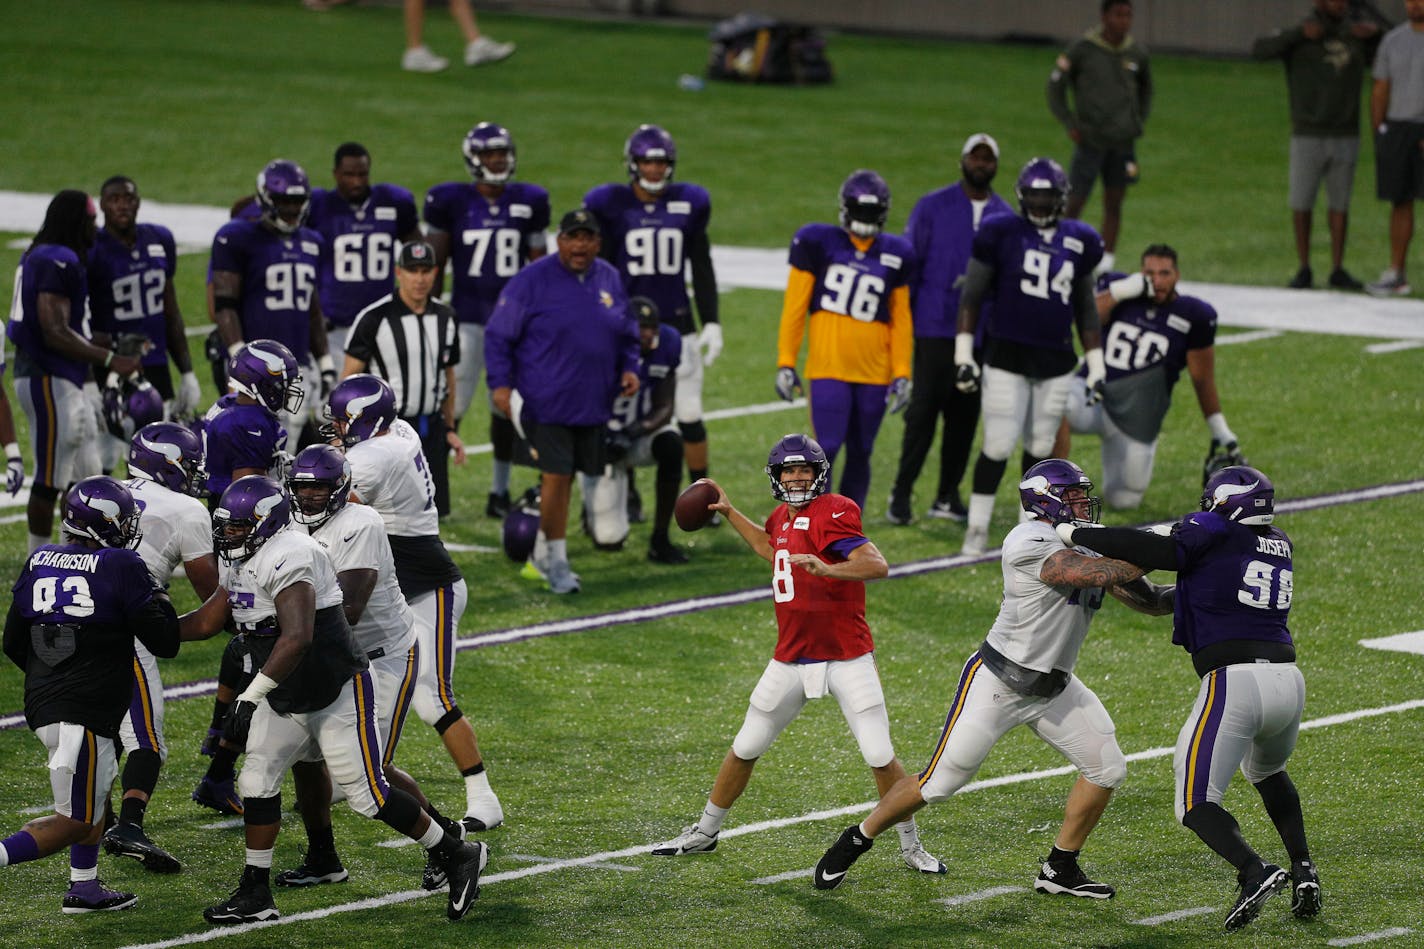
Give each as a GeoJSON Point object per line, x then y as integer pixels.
{"type": "Point", "coordinates": [693, 431]}
{"type": "Point", "coordinates": [262, 810]}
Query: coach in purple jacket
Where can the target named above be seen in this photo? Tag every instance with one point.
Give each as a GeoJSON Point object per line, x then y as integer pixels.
{"type": "Point", "coordinates": [562, 339]}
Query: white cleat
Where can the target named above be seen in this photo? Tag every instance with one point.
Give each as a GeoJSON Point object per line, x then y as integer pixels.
{"type": "Point", "coordinates": [691, 840]}
{"type": "Point", "coordinates": [976, 541]}
{"type": "Point", "coordinates": [421, 59]}
{"type": "Point", "coordinates": [917, 858]}
{"type": "Point", "coordinates": [484, 50]}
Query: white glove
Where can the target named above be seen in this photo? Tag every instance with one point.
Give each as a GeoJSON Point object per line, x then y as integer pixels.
{"type": "Point", "coordinates": [710, 342]}
{"type": "Point", "coordinates": [788, 384]}
{"type": "Point", "coordinates": [966, 370]}
{"type": "Point", "coordinates": [189, 394]}
{"type": "Point", "coordinates": [1130, 287]}
{"type": "Point", "coordinates": [14, 469]}
{"type": "Point", "coordinates": [897, 396]}
{"type": "Point", "coordinates": [1097, 375]}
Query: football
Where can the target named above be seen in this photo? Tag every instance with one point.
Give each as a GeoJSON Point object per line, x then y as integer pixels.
{"type": "Point", "coordinates": [691, 510]}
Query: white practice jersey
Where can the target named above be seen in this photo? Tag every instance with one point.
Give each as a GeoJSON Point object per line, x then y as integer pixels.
{"type": "Point", "coordinates": [288, 557]}
{"type": "Point", "coordinates": [389, 473]}
{"type": "Point", "coordinates": [355, 539]}
{"type": "Point", "coordinates": [176, 528]}
{"type": "Point", "coordinates": [1040, 626]}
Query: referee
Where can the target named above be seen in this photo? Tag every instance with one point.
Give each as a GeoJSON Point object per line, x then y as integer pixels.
{"type": "Point", "coordinates": [413, 342]}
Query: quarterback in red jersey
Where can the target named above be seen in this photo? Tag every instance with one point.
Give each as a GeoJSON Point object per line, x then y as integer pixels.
{"type": "Point", "coordinates": [819, 562]}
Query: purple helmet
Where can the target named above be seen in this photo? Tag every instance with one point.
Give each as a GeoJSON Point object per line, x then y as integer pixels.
{"type": "Point", "coordinates": [798, 450]}
{"type": "Point", "coordinates": [322, 465]}
{"type": "Point", "coordinates": [168, 453]}
{"type": "Point", "coordinates": [363, 405]}
{"type": "Point", "coordinates": [488, 137]}
{"type": "Point", "coordinates": [1241, 494]}
{"type": "Point", "coordinates": [254, 502]}
{"type": "Point", "coordinates": [521, 527]}
{"type": "Point", "coordinates": [1043, 191]}
{"type": "Point", "coordinates": [283, 180]}
{"type": "Point", "coordinates": [865, 203]}
{"type": "Point", "coordinates": [129, 406]}
{"type": "Point", "coordinates": [267, 371]}
{"type": "Point", "coordinates": [102, 509]}
{"type": "Point", "coordinates": [1043, 486]}
{"type": "Point", "coordinates": [650, 141]}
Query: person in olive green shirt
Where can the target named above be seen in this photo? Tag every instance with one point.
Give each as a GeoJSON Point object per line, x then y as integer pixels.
{"type": "Point", "coordinates": [1106, 74]}
{"type": "Point", "coordinates": [1326, 56]}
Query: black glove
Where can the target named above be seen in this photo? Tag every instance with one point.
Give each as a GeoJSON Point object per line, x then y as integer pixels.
{"type": "Point", "coordinates": [131, 344]}
{"type": "Point", "coordinates": [328, 382]}
{"type": "Point", "coordinates": [1221, 455]}
{"type": "Point", "coordinates": [238, 722]}
{"type": "Point", "coordinates": [616, 444]}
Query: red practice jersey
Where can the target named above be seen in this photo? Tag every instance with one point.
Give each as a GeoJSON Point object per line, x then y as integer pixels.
{"type": "Point", "coordinates": [817, 617]}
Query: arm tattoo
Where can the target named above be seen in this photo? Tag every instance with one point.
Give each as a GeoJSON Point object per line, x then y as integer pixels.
{"type": "Point", "coordinates": [1071, 569]}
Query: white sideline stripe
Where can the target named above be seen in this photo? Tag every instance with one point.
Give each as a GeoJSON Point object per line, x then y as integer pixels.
{"type": "Point", "coordinates": [391, 899]}
{"type": "Point", "coordinates": [530, 858]}
{"type": "Point", "coordinates": [1370, 937]}
{"type": "Point", "coordinates": [1253, 336]}
{"type": "Point", "coordinates": [1174, 916]}
{"type": "Point", "coordinates": [990, 893]}
{"type": "Point", "coordinates": [223, 824]}
{"type": "Point", "coordinates": [1377, 349]}
{"type": "Point", "coordinates": [471, 548]}
{"type": "Point", "coordinates": [1401, 642]}
{"type": "Point", "coordinates": [41, 809]}
{"type": "Point", "coordinates": [783, 877]}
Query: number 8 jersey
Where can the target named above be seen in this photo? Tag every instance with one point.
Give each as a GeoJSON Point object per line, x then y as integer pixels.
{"type": "Point", "coordinates": [817, 618]}
{"type": "Point", "coordinates": [1233, 582]}
{"type": "Point", "coordinates": [857, 292]}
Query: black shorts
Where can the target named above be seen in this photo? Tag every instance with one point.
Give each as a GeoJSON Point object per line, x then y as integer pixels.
{"type": "Point", "coordinates": [564, 449]}
{"type": "Point", "coordinates": [1399, 162]}
{"type": "Point", "coordinates": [1116, 165]}
{"type": "Point", "coordinates": [160, 379]}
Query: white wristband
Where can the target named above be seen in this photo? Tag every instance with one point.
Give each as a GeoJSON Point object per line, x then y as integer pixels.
{"type": "Point", "coordinates": [325, 363]}
{"type": "Point", "coordinates": [257, 689]}
{"type": "Point", "coordinates": [12, 451]}
{"type": "Point", "coordinates": [963, 348]}
{"type": "Point", "coordinates": [1219, 429]}
{"type": "Point", "coordinates": [1096, 368]}
{"type": "Point", "coordinates": [1128, 288]}
{"type": "Point", "coordinates": [233, 349]}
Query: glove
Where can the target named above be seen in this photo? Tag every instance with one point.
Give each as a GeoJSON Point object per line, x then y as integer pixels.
{"type": "Point", "coordinates": [131, 344]}
{"type": "Point", "coordinates": [209, 747]}
{"type": "Point", "coordinates": [1221, 455]}
{"type": "Point", "coordinates": [1130, 287]}
{"type": "Point", "coordinates": [14, 469]}
{"type": "Point", "coordinates": [616, 444]}
{"type": "Point", "coordinates": [966, 370]}
{"type": "Point", "coordinates": [238, 722]}
{"type": "Point", "coordinates": [1097, 375]}
{"type": "Point", "coordinates": [898, 395]}
{"type": "Point", "coordinates": [189, 394]}
{"type": "Point", "coordinates": [328, 375]}
{"type": "Point", "coordinates": [788, 384]}
{"type": "Point", "coordinates": [710, 342]}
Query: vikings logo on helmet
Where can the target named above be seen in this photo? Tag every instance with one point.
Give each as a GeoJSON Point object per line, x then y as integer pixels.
{"type": "Point", "coordinates": [102, 510]}
{"type": "Point", "coordinates": [650, 142]}
{"type": "Point", "coordinates": [488, 137]}
{"type": "Point", "coordinates": [362, 405]}
{"type": "Point", "coordinates": [249, 513]}
{"type": "Point", "coordinates": [865, 203]}
{"type": "Point", "coordinates": [1241, 494]}
{"type": "Point", "coordinates": [129, 406]}
{"type": "Point", "coordinates": [1044, 486]}
{"type": "Point", "coordinates": [798, 450]}
{"type": "Point", "coordinates": [266, 371]}
{"type": "Point", "coordinates": [168, 453]}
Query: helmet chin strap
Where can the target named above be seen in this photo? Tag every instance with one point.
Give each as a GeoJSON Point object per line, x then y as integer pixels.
{"type": "Point", "coordinates": [864, 228]}
{"type": "Point", "coordinates": [653, 187]}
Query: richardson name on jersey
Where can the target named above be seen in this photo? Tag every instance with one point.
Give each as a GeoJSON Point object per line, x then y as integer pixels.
{"type": "Point", "coordinates": [85, 563]}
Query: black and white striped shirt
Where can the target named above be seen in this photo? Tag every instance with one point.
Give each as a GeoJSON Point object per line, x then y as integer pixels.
{"type": "Point", "coordinates": [410, 351]}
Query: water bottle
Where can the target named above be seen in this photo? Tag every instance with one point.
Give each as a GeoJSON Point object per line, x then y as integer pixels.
{"type": "Point", "coordinates": [690, 83]}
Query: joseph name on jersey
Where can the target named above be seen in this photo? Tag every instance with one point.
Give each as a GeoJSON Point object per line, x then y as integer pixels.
{"type": "Point", "coordinates": [358, 246]}
{"type": "Point", "coordinates": [1224, 567]}
{"type": "Point", "coordinates": [176, 528]}
{"type": "Point", "coordinates": [278, 281]}
{"type": "Point", "coordinates": [489, 239]}
{"type": "Point", "coordinates": [650, 241]}
{"type": "Point", "coordinates": [127, 284]}
{"type": "Point", "coordinates": [1034, 272]}
{"type": "Point", "coordinates": [355, 539]}
{"type": "Point", "coordinates": [1040, 626]}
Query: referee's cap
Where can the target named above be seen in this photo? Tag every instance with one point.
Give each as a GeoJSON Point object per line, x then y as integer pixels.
{"type": "Point", "coordinates": [579, 219]}
{"type": "Point", "coordinates": [416, 254]}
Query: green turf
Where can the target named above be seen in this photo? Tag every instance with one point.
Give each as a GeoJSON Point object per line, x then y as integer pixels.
{"type": "Point", "coordinates": [608, 739]}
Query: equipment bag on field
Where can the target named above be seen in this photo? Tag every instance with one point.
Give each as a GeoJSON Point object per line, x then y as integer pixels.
{"type": "Point", "coordinates": [754, 48]}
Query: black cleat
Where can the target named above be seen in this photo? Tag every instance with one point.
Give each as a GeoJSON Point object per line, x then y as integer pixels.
{"type": "Point", "coordinates": [1255, 890]}
{"type": "Point", "coordinates": [1303, 279]}
{"type": "Point", "coordinates": [897, 510]}
{"type": "Point", "coordinates": [249, 903]}
{"type": "Point", "coordinates": [129, 840]}
{"type": "Point", "coordinates": [497, 506]}
{"type": "Point", "coordinates": [315, 869]}
{"type": "Point", "coordinates": [1070, 880]}
{"type": "Point", "coordinates": [463, 871]}
{"type": "Point", "coordinates": [1342, 279]}
{"type": "Point", "coordinates": [834, 863]}
{"type": "Point", "coordinates": [221, 796]}
{"type": "Point", "coordinates": [662, 550]}
{"type": "Point", "coordinates": [1305, 895]}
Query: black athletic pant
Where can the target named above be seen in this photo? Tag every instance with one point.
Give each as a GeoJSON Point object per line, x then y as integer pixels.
{"type": "Point", "coordinates": [934, 395]}
{"type": "Point", "coordinates": [432, 429]}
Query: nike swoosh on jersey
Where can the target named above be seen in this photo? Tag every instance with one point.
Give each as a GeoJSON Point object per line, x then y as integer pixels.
{"type": "Point", "coordinates": [837, 514]}
{"type": "Point", "coordinates": [60, 264]}
{"type": "Point", "coordinates": [257, 433]}
{"type": "Point", "coordinates": [347, 538]}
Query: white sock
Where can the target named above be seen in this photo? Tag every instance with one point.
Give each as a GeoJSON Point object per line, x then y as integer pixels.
{"type": "Point", "coordinates": [559, 550]}
{"type": "Point", "coordinates": [37, 541]}
{"type": "Point", "coordinates": [432, 836]}
{"type": "Point", "coordinates": [259, 858]}
{"type": "Point", "coordinates": [909, 833]}
{"type": "Point", "coordinates": [77, 875]}
{"type": "Point", "coordinates": [863, 832]}
{"type": "Point", "coordinates": [4, 856]}
{"type": "Point", "coordinates": [541, 548]}
{"type": "Point", "coordinates": [476, 784]}
{"type": "Point", "coordinates": [712, 817]}
{"type": "Point", "coordinates": [981, 511]}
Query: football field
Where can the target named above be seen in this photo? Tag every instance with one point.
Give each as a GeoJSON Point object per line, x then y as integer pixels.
{"type": "Point", "coordinates": [603, 716]}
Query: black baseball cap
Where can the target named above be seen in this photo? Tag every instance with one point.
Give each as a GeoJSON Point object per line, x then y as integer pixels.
{"type": "Point", "coordinates": [416, 254]}
{"type": "Point", "coordinates": [579, 219]}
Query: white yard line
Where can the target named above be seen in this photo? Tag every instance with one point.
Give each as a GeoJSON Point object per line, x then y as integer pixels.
{"type": "Point", "coordinates": [1174, 916]}
{"type": "Point", "coordinates": [783, 877]}
{"type": "Point", "coordinates": [1370, 937]}
{"type": "Point", "coordinates": [1399, 345]}
{"type": "Point", "coordinates": [391, 899]}
{"type": "Point", "coordinates": [990, 893]}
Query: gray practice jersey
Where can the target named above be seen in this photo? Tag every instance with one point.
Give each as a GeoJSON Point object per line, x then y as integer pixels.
{"type": "Point", "coordinates": [389, 473]}
{"type": "Point", "coordinates": [1040, 626]}
{"type": "Point", "coordinates": [355, 539]}
{"type": "Point", "coordinates": [176, 528]}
